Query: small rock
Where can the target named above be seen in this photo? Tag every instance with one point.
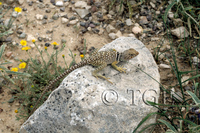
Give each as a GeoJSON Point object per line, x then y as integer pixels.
{"type": "Point", "coordinates": [184, 78]}
{"type": "Point", "coordinates": [118, 34]}
{"type": "Point", "coordinates": [101, 31]}
{"type": "Point", "coordinates": [180, 32]}
{"type": "Point", "coordinates": [187, 88]}
{"type": "Point", "coordinates": [157, 12]}
{"type": "Point", "coordinates": [72, 18]}
{"type": "Point", "coordinates": [39, 16]}
{"type": "Point", "coordinates": [30, 3]}
{"type": "Point", "coordinates": [48, 10]}
{"type": "Point", "coordinates": [110, 28]}
{"type": "Point", "coordinates": [137, 30]}
{"type": "Point", "coordinates": [177, 95]}
{"type": "Point", "coordinates": [73, 22]}
{"type": "Point", "coordinates": [16, 14]}
{"type": "Point", "coordinates": [55, 17]}
{"type": "Point", "coordinates": [22, 36]}
{"type": "Point", "coordinates": [82, 24]}
{"type": "Point", "coordinates": [143, 20]}
{"type": "Point", "coordinates": [59, 3]}
{"type": "Point", "coordinates": [40, 39]}
{"type": "Point", "coordinates": [178, 22]}
{"type": "Point", "coordinates": [30, 38]}
{"type": "Point", "coordinates": [62, 9]}
{"type": "Point", "coordinates": [152, 5]}
{"type": "Point", "coordinates": [196, 60]}
{"type": "Point", "coordinates": [8, 54]}
{"type": "Point", "coordinates": [8, 39]}
{"type": "Point", "coordinates": [164, 66]}
{"type": "Point", "coordinates": [82, 12]}
{"type": "Point", "coordinates": [112, 35]}
{"type": "Point", "coordinates": [128, 22]}
{"type": "Point", "coordinates": [64, 20]}
{"type": "Point", "coordinates": [171, 15]}
{"type": "Point", "coordinates": [80, 4]}
{"type": "Point", "coordinates": [120, 9]}
{"type": "Point", "coordinates": [44, 21]}
{"type": "Point", "coordinates": [47, 44]}
{"type": "Point", "coordinates": [45, 17]}
{"type": "Point", "coordinates": [20, 2]}
{"type": "Point", "coordinates": [52, 1]}
{"type": "Point", "coordinates": [131, 35]}
{"type": "Point", "coordinates": [63, 41]}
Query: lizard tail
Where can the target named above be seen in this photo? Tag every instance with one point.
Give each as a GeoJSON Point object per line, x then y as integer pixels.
{"type": "Point", "coordinates": [82, 63]}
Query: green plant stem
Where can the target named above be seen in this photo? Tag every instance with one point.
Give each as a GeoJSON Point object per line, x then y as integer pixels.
{"type": "Point", "coordinates": [40, 55]}
{"type": "Point", "coordinates": [189, 14]}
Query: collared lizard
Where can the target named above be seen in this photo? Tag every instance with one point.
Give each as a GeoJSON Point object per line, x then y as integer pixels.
{"type": "Point", "coordinates": [101, 60]}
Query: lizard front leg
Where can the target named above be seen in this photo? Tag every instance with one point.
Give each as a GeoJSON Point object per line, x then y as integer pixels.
{"type": "Point", "coordinates": [120, 69]}
{"type": "Point", "coordinates": [99, 68]}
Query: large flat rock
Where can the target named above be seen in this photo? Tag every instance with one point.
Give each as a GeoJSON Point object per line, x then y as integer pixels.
{"type": "Point", "coordinates": [85, 104]}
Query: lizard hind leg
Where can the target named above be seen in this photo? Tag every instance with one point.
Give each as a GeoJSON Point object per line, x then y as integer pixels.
{"type": "Point", "coordinates": [99, 68]}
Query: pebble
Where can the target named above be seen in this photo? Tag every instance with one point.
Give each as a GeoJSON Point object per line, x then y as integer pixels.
{"type": "Point", "coordinates": [47, 44]}
{"type": "Point", "coordinates": [118, 34]}
{"type": "Point", "coordinates": [30, 3]}
{"type": "Point", "coordinates": [64, 20]}
{"type": "Point", "coordinates": [59, 3]}
{"type": "Point", "coordinates": [55, 17]}
{"type": "Point", "coordinates": [62, 9]}
{"type": "Point", "coordinates": [80, 4]}
{"type": "Point", "coordinates": [164, 66]}
{"type": "Point", "coordinates": [30, 38]}
{"type": "Point", "coordinates": [137, 30]}
{"type": "Point", "coordinates": [48, 10]}
{"type": "Point", "coordinates": [16, 14]}
{"type": "Point", "coordinates": [44, 21]}
{"type": "Point", "coordinates": [39, 16]}
{"type": "Point", "coordinates": [131, 35]}
{"type": "Point", "coordinates": [8, 54]}
{"type": "Point", "coordinates": [22, 36]}
{"type": "Point", "coordinates": [196, 60]}
{"type": "Point", "coordinates": [82, 24]}
{"type": "Point", "coordinates": [82, 12]}
{"type": "Point", "coordinates": [152, 5]}
{"type": "Point", "coordinates": [52, 1]}
{"type": "Point", "coordinates": [128, 22]}
{"type": "Point", "coordinates": [112, 35]}
{"type": "Point", "coordinates": [180, 32]}
{"type": "Point", "coordinates": [40, 39]}
{"type": "Point", "coordinates": [183, 79]}
{"type": "Point", "coordinates": [73, 22]}
{"type": "Point", "coordinates": [45, 17]}
{"type": "Point", "coordinates": [143, 20]}
{"type": "Point", "coordinates": [176, 95]}
{"type": "Point", "coordinates": [63, 41]}
{"type": "Point", "coordinates": [110, 28]}
{"type": "Point", "coordinates": [171, 15]}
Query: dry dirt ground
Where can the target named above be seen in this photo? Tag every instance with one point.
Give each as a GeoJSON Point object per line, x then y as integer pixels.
{"type": "Point", "coordinates": [8, 122]}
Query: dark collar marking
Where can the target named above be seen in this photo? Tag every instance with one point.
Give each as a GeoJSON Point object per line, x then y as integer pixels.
{"type": "Point", "coordinates": [118, 56]}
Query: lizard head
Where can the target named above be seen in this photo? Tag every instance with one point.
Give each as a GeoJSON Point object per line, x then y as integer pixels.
{"type": "Point", "coordinates": [128, 54]}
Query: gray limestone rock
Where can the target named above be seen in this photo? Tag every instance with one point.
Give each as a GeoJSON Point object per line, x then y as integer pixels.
{"type": "Point", "coordinates": [82, 12]}
{"type": "Point", "coordinates": [85, 104]}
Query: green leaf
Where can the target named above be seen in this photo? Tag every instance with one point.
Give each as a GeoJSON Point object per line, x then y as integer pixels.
{"type": "Point", "coordinates": [188, 8]}
{"type": "Point", "coordinates": [194, 97]}
{"type": "Point", "coordinates": [19, 73]}
{"type": "Point", "coordinates": [168, 125]}
{"type": "Point", "coordinates": [167, 10]}
{"type": "Point", "coordinates": [2, 50]}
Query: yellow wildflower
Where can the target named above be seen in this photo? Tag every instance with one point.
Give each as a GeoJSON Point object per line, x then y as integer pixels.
{"type": "Point", "coordinates": [23, 42]}
{"type": "Point", "coordinates": [22, 65]}
{"type": "Point", "coordinates": [31, 106]}
{"type": "Point", "coordinates": [63, 55]}
{"type": "Point", "coordinates": [82, 56]}
{"type": "Point", "coordinates": [32, 86]}
{"type": "Point", "coordinates": [16, 111]}
{"type": "Point", "coordinates": [20, 60]}
{"type": "Point", "coordinates": [1, 69]}
{"type": "Point", "coordinates": [33, 40]}
{"type": "Point", "coordinates": [18, 9]}
{"type": "Point", "coordinates": [55, 43]}
{"type": "Point", "coordinates": [26, 48]}
{"type": "Point", "coordinates": [45, 47]}
{"type": "Point", "coordinates": [0, 3]}
{"type": "Point", "coordinates": [15, 69]}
